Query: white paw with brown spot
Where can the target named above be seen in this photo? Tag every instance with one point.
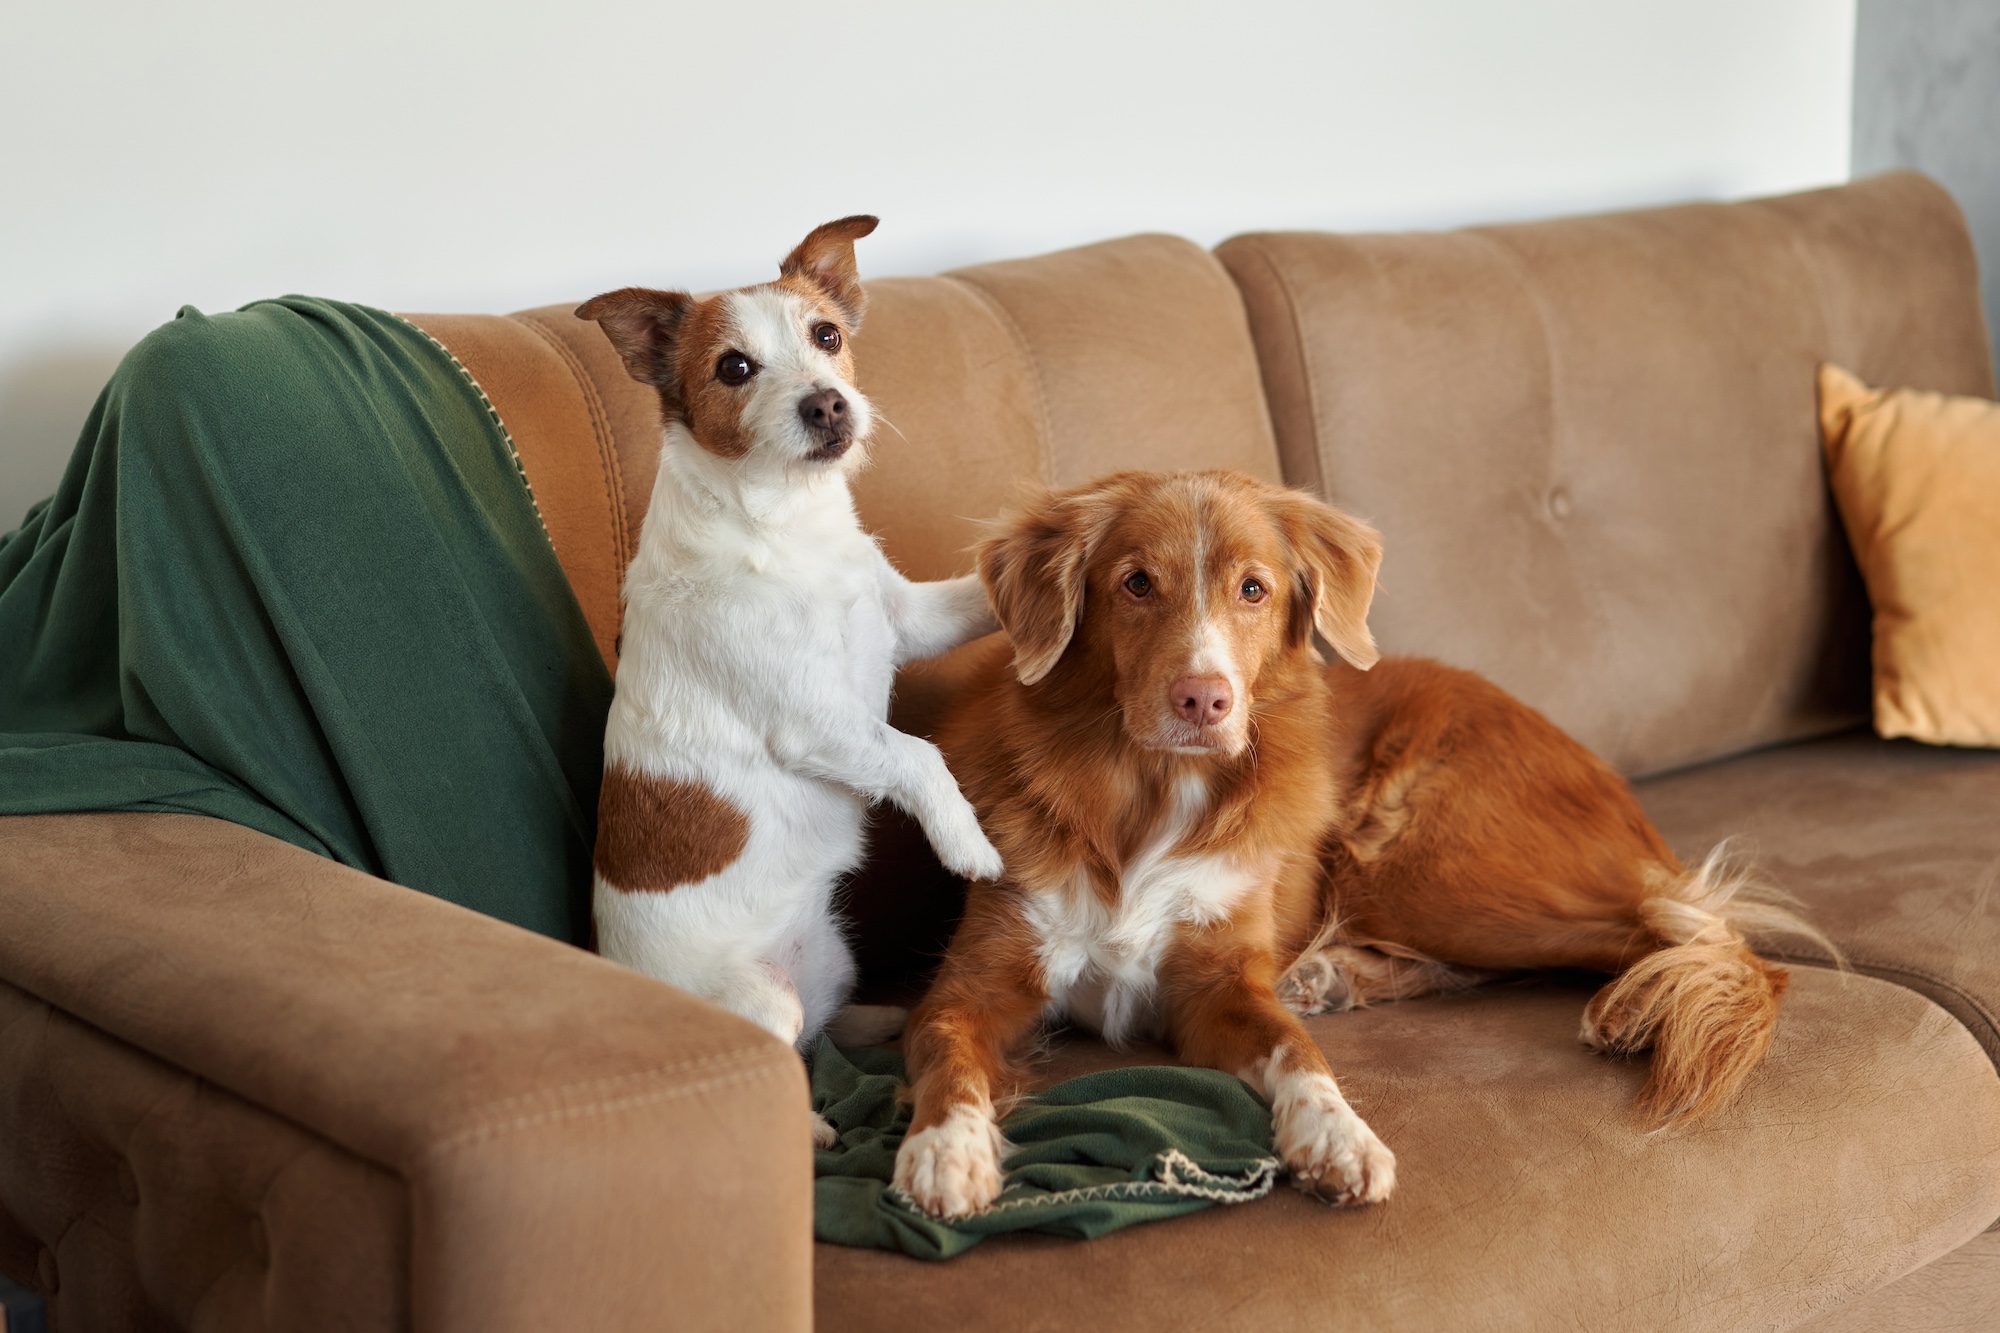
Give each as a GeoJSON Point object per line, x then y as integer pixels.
{"type": "Point", "coordinates": [824, 1134]}
{"type": "Point", "coordinates": [1329, 1150]}
{"type": "Point", "coordinates": [952, 1169]}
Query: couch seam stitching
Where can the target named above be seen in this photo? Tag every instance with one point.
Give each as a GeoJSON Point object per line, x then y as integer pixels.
{"type": "Point", "coordinates": [1796, 242]}
{"type": "Point", "coordinates": [1043, 425]}
{"type": "Point", "coordinates": [611, 1081]}
{"type": "Point", "coordinates": [513, 450]}
{"type": "Point", "coordinates": [600, 427]}
{"type": "Point", "coordinates": [1306, 377]}
{"type": "Point", "coordinates": [1890, 971]}
{"type": "Point", "coordinates": [474, 1134]}
{"type": "Point", "coordinates": [1585, 572]}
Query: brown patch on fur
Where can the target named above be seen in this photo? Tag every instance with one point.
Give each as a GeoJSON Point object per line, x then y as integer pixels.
{"type": "Point", "coordinates": [712, 410]}
{"type": "Point", "coordinates": [654, 834]}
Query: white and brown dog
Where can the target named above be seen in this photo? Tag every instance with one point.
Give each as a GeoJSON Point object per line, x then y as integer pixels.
{"type": "Point", "coordinates": [749, 732]}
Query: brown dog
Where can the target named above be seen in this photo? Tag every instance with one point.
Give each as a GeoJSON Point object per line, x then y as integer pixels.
{"type": "Point", "coordinates": [1188, 799]}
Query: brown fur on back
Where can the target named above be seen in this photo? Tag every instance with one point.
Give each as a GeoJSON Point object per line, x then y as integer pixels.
{"type": "Point", "coordinates": [1475, 832]}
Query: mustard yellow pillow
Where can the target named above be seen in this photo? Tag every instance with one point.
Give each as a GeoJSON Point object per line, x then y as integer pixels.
{"type": "Point", "coordinates": [1917, 478]}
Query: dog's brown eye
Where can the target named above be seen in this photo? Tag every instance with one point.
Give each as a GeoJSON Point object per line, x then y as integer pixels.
{"type": "Point", "coordinates": [827, 336]}
{"type": "Point", "coordinates": [734, 368]}
{"type": "Point", "coordinates": [1253, 590]}
{"type": "Point", "coordinates": [1137, 583]}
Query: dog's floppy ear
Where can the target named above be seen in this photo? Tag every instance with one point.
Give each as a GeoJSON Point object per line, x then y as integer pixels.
{"type": "Point", "coordinates": [1338, 556]}
{"type": "Point", "coordinates": [1033, 574]}
{"type": "Point", "coordinates": [641, 324]}
{"type": "Point", "coordinates": [825, 258]}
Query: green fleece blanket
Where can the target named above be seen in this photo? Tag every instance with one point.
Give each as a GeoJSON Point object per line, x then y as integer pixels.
{"type": "Point", "coordinates": [293, 577]}
{"type": "Point", "coordinates": [1090, 1156]}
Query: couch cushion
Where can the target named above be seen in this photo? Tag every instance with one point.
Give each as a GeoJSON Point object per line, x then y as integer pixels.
{"type": "Point", "coordinates": [1529, 1198]}
{"type": "Point", "coordinates": [1047, 372]}
{"type": "Point", "coordinates": [1031, 372]}
{"type": "Point", "coordinates": [1959, 1293]}
{"type": "Point", "coordinates": [579, 426]}
{"type": "Point", "coordinates": [1592, 448]}
{"type": "Point", "coordinates": [1894, 847]}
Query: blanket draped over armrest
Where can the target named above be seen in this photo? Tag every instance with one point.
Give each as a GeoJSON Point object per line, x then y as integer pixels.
{"type": "Point", "coordinates": [1089, 1156]}
{"type": "Point", "coordinates": [293, 577]}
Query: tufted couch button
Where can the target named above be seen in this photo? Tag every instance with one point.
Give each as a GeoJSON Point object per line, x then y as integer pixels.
{"type": "Point", "coordinates": [260, 1241]}
{"type": "Point", "coordinates": [45, 1273]}
{"type": "Point", "coordinates": [1559, 502]}
{"type": "Point", "coordinates": [128, 1184]}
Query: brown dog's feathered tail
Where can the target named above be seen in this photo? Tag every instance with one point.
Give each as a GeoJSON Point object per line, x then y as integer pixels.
{"type": "Point", "coordinates": [1704, 1002]}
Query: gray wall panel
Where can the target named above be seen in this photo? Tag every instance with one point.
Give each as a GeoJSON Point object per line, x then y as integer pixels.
{"type": "Point", "coordinates": [1927, 95]}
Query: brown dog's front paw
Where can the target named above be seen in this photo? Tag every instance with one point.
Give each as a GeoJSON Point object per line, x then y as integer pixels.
{"type": "Point", "coordinates": [1329, 1150]}
{"type": "Point", "coordinates": [952, 1169]}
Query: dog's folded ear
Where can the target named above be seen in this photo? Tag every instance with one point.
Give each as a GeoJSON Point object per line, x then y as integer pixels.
{"type": "Point", "coordinates": [825, 258]}
{"type": "Point", "coordinates": [1338, 557]}
{"type": "Point", "coordinates": [1034, 575]}
{"type": "Point", "coordinates": [641, 324]}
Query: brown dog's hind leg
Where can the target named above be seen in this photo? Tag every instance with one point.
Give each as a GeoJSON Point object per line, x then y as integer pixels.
{"type": "Point", "coordinates": [1334, 978]}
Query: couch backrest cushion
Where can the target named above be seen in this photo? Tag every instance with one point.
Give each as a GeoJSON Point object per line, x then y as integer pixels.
{"type": "Point", "coordinates": [583, 430]}
{"type": "Point", "coordinates": [995, 379]}
{"type": "Point", "coordinates": [1592, 449]}
{"type": "Point", "coordinates": [1048, 371]}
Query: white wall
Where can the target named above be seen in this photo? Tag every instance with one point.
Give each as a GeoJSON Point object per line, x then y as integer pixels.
{"type": "Point", "coordinates": [424, 154]}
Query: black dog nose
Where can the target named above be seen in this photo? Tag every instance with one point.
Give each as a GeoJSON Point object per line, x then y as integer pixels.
{"type": "Point", "coordinates": [825, 413]}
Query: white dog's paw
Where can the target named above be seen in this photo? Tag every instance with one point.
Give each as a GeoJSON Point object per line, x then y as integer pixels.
{"type": "Point", "coordinates": [764, 994]}
{"type": "Point", "coordinates": [824, 1134]}
{"type": "Point", "coordinates": [1329, 1150]}
{"type": "Point", "coordinates": [962, 845]}
{"type": "Point", "coordinates": [952, 1169]}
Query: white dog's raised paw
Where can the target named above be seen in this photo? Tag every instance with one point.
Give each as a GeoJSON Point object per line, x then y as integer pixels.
{"type": "Point", "coordinates": [966, 851]}
{"type": "Point", "coordinates": [1328, 1149]}
{"type": "Point", "coordinates": [952, 1169]}
{"type": "Point", "coordinates": [824, 1134]}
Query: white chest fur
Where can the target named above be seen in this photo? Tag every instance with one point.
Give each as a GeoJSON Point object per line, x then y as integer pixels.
{"type": "Point", "coordinates": [736, 618]}
{"type": "Point", "coordinates": [1101, 961]}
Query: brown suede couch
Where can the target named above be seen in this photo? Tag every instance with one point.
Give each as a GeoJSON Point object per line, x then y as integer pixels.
{"type": "Point", "coordinates": [245, 1088]}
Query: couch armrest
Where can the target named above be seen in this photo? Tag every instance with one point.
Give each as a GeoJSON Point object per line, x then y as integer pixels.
{"type": "Point", "coordinates": [583, 1147]}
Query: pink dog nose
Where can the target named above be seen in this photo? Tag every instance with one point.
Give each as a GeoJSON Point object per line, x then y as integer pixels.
{"type": "Point", "coordinates": [1202, 699]}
